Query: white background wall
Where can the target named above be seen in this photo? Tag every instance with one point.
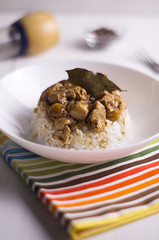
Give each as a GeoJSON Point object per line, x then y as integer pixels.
{"type": "Point", "coordinates": [138, 7]}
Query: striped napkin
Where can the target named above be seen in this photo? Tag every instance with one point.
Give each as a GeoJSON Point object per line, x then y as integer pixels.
{"type": "Point", "coordinates": [91, 198]}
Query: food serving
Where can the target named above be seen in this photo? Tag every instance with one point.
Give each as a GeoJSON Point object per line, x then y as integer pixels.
{"type": "Point", "coordinates": [86, 111]}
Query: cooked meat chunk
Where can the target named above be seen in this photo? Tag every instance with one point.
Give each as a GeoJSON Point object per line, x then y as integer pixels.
{"type": "Point", "coordinates": [121, 103]}
{"type": "Point", "coordinates": [77, 93]}
{"type": "Point", "coordinates": [55, 87]}
{"type": "Point", "coordinates": [65, 83]}
{"type": "Point", "coordinates": [63, 92]}
{"type": "Point", "coordinates": [97, 118]}
{"type": "Point", "coordinates": [56, 110]}
{"type": "Point", "coordinates": [62, 136]}
{"type": "Point", "coordinates": [59, 123]}
{"type": "Point", "coordinates": [113, 103]}
{"type": "Point", "coordinates": [50, 90]}
{"type": "Point", "coordinates": [57, 97]}
{"type": "Point", "coordinates": [79, 110]}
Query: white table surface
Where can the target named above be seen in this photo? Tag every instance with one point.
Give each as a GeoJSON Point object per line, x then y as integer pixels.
{"type": "Point", "coordinates": [22, 215]}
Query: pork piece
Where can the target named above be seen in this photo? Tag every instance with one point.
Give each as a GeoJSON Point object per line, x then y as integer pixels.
{"type": "Point", "coordinates": [57, 97]}
{"type": "Point", "coordinates": [59, 123]}
{"type": "Point", "coordinates": [49, 90]}
{"type": "Point", "coordinates": [63, 92]}
{"type": "Point", "coordinates": [97, 118]}
{"type": "Point", "coordinates": [57, 94]}
{"type": "Point", "coordinates": [56, 110]}
{"type": "Point", "coordinates": [113, 103]}
{"type": "Point", "coordinates": [77, 93]}
{"type": "Point", "coordinates": [78, 110]}
{"type": "Point", "coordinates": [62, 136]}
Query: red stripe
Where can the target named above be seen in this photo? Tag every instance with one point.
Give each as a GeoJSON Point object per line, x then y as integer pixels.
{"type": "Point", "coordinates": [100, 182]}
{"type": "Point", "coordinates": [106, 189]}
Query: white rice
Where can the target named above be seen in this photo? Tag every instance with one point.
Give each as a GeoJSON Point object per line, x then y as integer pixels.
{"type": "Point", "coordinates": [113, 135]}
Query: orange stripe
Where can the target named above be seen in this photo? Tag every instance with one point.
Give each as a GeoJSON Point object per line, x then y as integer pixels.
{"type": "Point", "coordinates": [109, 197]}
{"type": "Point", "coordinates": [110, 188]}
{"type": "Point", "coordinates": [100, 182]}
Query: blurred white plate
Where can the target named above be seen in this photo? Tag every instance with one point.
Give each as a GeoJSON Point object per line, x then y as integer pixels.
{"type": "Point", "coordinates": [20, 91]}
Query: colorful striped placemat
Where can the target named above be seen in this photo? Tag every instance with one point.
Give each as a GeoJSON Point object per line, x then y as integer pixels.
{"type": "Point", "coordinates": [88, 199]}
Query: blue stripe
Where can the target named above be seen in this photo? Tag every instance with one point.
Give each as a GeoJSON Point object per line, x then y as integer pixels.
{"type": "Point", "coordinates": [8, 143]}
{"type": "Point", "coordinates": [15, 150]}
{"type": "Point", "coordinates": [24, 157]}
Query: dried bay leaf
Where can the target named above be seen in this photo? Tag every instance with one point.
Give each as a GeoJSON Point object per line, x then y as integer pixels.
{"type": "Point", "coordinates": [93, 83]}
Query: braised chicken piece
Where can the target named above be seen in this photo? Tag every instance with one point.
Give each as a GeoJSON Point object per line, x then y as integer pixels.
{"type": "Point", "coordinates": [97, 117]}
{"type": "Point", "coordinates": [69, 107]}
{"type": "Point", "coordinates": [56, 110]}
{"type": "Point", "coordinates": [77, 93]}
{"type": "Point", "coordinates": [60, 123]}
{"type": "Point", "coordinates": [113, 103]}
{"type": "Point", "coordinates": [64, 135]}
{"type": "Point", "coordinates": [49, 90]}
{"type": "Point", "coordinates": [79, 110]}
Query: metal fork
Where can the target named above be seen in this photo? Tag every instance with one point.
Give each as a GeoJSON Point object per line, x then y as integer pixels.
{"type": "Point", "coordinates": [148, 61]}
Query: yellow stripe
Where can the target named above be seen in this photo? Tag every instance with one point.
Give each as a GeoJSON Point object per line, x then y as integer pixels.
{"type": "Point", "coordinates": [154, 141]}
{"type": "Point", "coordinates": [83, 229]}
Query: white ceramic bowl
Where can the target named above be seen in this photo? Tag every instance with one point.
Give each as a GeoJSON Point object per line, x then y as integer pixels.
{"type": "Point", "coordinates": [20, 91]}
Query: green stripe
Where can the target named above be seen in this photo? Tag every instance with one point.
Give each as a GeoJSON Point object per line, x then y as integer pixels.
{"type": "Point", "coordinates": [91, 169]}
{"type": "Point", "coordinates": [36, 161]}
{"type": "Point", "coordinates": [52, 171]}
{"type": "Point", "coordinates": [28, 162]}
{"type": "Point", "coordinates": [39, 166]}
